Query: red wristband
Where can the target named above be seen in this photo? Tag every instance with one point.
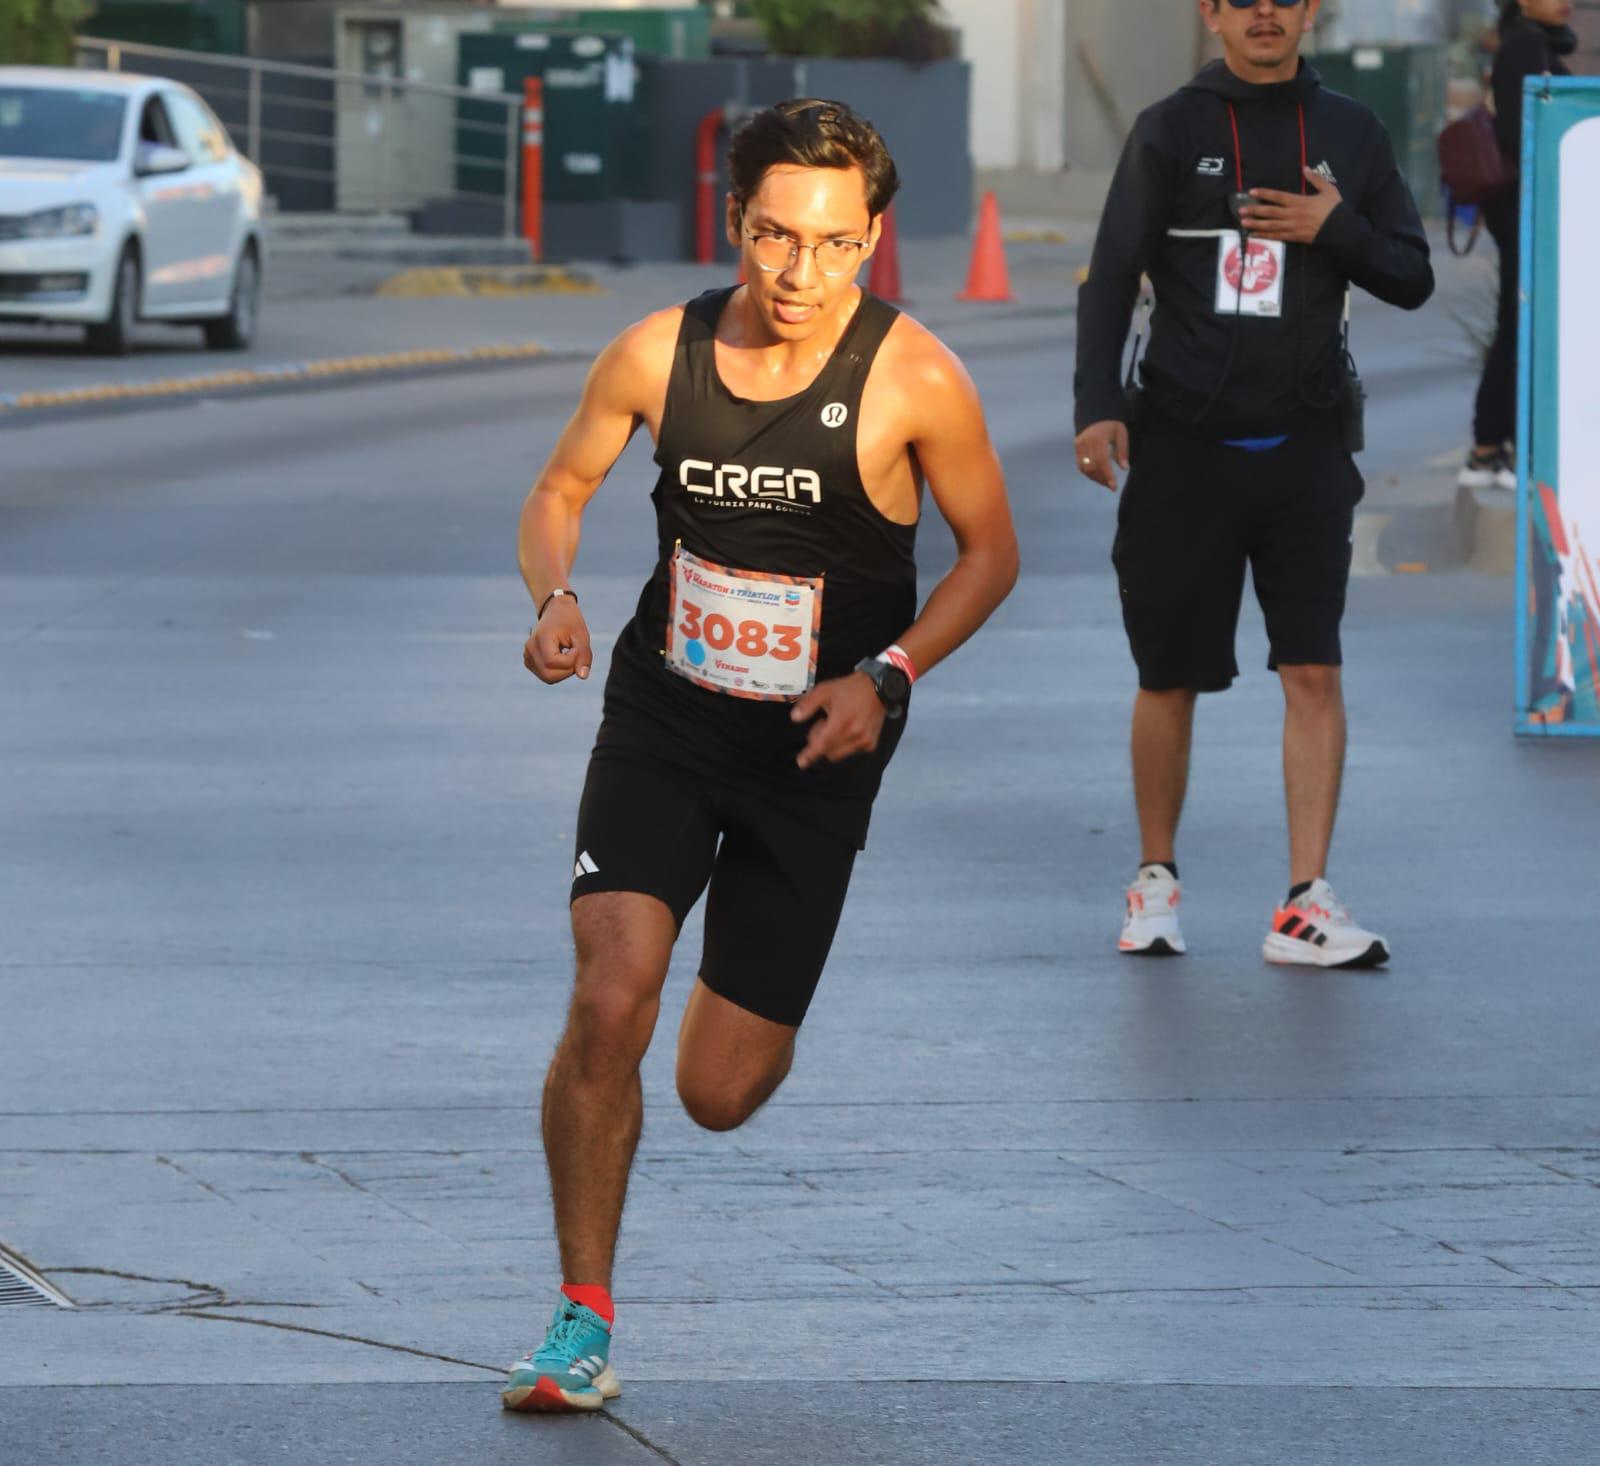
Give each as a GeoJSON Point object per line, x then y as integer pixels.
{"type": "Point", "coordinates": [896, 656]}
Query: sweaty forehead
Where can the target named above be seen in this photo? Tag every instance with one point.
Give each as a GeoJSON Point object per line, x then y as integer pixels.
{"type": "Point", "coordinates": [820, 200]}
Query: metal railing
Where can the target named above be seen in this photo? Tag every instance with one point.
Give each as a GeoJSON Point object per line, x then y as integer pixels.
{"type": "Point", "coordinates": [346, 141]}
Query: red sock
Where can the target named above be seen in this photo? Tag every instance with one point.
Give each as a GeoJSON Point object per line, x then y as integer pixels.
{"type": "Point", "coordinates": [593, 1297]}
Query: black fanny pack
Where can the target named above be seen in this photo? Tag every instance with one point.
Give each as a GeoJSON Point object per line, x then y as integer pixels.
{"type": "Point", "coordinates": [1351, 400]}
{"type": "Point", "coordinates": [1352, 393]}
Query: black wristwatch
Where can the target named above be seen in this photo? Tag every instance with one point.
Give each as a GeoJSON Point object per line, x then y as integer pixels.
{"type": "Point", "coordinates": [894, 687]}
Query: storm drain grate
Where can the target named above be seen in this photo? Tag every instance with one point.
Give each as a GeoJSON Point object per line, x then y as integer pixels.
{"type": "Point", "coordinates": [21, 1285]}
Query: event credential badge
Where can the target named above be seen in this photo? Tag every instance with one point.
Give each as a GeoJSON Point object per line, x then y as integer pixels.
{"type": "Point", "coordinates": [1249, 283]}
{"type": "Point", "coordinates": [743, 632]}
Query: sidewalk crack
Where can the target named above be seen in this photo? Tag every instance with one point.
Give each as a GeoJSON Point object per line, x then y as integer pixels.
{"type": "Point", "coordinates": [203, 1295]}
{"type": "Point", "coordinates": [298, 1328]}
{"type": "Point", "coordinates": [1242, 1231]}
{"type": "Point", "coordinates": [633, 1433]}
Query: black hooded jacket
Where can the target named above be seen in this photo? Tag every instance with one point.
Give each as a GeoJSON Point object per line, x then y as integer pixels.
{"type": "Point", "coordinates": [1177, 172]}
{"type": "Point", "coordinates": [1526, 49]}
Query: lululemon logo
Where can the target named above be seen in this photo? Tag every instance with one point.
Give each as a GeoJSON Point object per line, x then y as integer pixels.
{"type": "Point", "coordinates": [834, 415]}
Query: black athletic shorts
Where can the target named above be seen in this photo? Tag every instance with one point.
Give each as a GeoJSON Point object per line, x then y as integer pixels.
{"type": "Point", "coordinates": [1194, 513]}
{"type": "Point", "coordinates": [777, 881]}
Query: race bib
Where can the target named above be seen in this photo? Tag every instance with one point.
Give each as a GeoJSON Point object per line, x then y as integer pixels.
{"type": "Point", "coordinates": [1250, 283]}
{"type": "Point", "coordinates": [743, 632]}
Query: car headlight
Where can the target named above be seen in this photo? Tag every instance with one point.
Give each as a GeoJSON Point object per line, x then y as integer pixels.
{"type": "Point", "coordinates": [74, 219]}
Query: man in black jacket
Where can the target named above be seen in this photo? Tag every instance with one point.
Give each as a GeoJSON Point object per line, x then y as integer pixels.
{"type": "Point", "coordinates": [1254, 199]}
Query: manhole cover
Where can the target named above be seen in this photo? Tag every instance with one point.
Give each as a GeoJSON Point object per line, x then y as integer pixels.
{"type": "Point", "coordinates": [21, 1285]}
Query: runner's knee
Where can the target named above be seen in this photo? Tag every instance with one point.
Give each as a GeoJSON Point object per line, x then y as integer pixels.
{"type": "Point", "coordinates": [623, 951]}
{"type": "Point", "coordinates": [722, 1104]}
{"type": "Point", "coordinates": [612, 1018]}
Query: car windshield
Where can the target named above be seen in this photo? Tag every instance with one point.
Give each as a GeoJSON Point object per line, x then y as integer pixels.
{"type": "Point", "coordinates": [55, 122]}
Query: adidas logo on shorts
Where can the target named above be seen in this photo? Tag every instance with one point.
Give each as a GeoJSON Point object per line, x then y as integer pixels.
{"type": "Point", "coordinates": [585, 867]}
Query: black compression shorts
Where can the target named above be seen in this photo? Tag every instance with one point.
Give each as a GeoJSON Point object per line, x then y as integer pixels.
{"type": "Point", "coordinates": [1194, 513]}
{"type": "Point", "coordinates": [777, 881]}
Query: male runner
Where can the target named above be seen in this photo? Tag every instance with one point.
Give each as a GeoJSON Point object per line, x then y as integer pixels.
{"type": "Point", "coordinates": [761, 687]}
{"type": "Point", "coordinates": [1241, 443]}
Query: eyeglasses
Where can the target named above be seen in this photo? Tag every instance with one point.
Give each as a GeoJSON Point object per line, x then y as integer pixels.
{"type": "Point", "coordinates": [834, 257]}
{"type": "Point", "coordinates": [1251, 4]}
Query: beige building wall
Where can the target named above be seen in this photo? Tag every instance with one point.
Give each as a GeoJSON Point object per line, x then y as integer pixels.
{"type": "Point", "coordinates": [1057, 82]}
{"type": "Point", "coordinates": [991, 39]}
{"type": "Point", "coordinates": [1120, 56]}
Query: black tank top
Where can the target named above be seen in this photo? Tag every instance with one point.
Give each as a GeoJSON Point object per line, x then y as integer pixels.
{"type": "Point", "coordinates": [772, 487]}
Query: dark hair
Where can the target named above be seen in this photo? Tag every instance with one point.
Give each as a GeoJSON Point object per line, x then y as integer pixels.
{"type": "Point", "coordinates": [810, 133]}
{"type": "Point", "coordinates": [1510, 10]}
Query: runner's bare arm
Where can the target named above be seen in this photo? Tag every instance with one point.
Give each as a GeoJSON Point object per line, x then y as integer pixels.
{"type": "Point", "coordinates": [625, 387]}
{"type": "Point", "coordinates": [948, 434]}
{"type": "Point", "coordinates": [968, 485]}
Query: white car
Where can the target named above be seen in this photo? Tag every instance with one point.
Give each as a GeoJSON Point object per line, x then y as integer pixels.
{"type": "Point", "coordinates": [122, 199]}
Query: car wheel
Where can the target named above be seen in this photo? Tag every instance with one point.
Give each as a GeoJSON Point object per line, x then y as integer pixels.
{"type": "Point", "coordinates": [236, 330]}
{"type": "Point", "coordinates": [114, 335]}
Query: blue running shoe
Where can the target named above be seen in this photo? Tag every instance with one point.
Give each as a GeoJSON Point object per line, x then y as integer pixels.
{"type": "Point", "coordinates": [571, 1370]}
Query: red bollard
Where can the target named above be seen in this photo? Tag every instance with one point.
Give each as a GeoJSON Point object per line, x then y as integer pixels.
{"type": "Point", "coordinates": [533, 165]}
{"type": "Point", "coordinates": [705, 164]}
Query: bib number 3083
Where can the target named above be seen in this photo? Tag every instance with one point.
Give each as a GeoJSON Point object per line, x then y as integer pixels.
{"type": "Point", "coordinates": [743, 632]}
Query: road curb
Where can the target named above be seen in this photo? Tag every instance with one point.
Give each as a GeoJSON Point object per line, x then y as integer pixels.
{"type": "Point", "coordinates": [367, 364]}
{"type": "Point", "coordinates": [1486, 529]}
{"type": "Point", "coordinates": [434, 282]}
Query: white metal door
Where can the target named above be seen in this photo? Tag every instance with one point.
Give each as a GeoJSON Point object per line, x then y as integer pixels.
{"type": "Point", "coordinates": [213, 202]}
{"type": "Point", "coordinates": [165, 198]}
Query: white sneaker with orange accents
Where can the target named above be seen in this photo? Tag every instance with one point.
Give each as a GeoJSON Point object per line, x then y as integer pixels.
{"type": "Point", "coordinates": [1151, 929]}
{"type": "Point", "coordinates": [1314, 930]}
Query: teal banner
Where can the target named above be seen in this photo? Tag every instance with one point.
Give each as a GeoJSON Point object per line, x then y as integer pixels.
{"type": "Point", "coordinates": [1558, 435]}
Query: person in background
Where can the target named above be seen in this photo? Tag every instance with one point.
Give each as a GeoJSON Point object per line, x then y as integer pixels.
{"type": "Point", "coordinates": [1534, 36]}
{"type": "Point", "coordinates": [1255, 199]}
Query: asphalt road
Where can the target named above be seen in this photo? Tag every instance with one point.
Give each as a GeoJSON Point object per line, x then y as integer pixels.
{"type": "Point", "coordinates": [284, 851]}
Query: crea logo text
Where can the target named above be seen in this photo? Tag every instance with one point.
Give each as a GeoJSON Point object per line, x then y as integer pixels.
{"type": "Point", "coordinates": [734, 481]}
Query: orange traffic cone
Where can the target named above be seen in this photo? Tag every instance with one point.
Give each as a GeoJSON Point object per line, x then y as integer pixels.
{"type": "Point", "coordinates": [884, 281]}
{"type": "Point", "coordinates": [988, 279]}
